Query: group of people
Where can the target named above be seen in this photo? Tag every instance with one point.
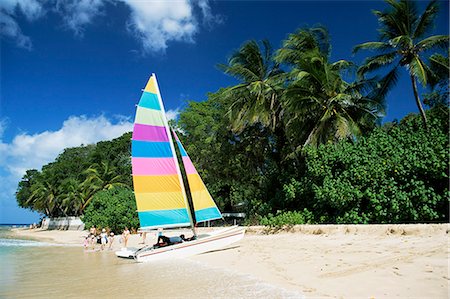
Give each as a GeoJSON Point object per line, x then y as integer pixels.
{"type": "Point", "coordinates": [103, 238]}
{"type": "Point", "coordinates": [107, 237]}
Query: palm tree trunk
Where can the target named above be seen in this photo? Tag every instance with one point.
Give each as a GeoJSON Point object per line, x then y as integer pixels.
{"type": "Point", "coordinates": [418, 103]}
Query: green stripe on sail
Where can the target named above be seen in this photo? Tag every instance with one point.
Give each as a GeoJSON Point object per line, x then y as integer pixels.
{"type": "Point", "coordinates": [149, 117]}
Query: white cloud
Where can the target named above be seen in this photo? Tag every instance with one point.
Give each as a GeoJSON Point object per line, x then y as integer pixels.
{"type": "Point", "coordinates": [78, 13]}
{"type": "Point", "coordinates": [208, 17]}
{"type": "Point", "coordinates": [153, 23]}
{"type": "Point", "coordinates": [172, 113]}
{"type": "Point", "coordinates": [157, 22]}
{"type": "Point", "coordinates": [27, 151]}
{"type": "Point", "coordinates": [31, 9]}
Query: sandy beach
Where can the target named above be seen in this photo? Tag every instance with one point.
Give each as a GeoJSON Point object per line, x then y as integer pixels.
{"type": "Point", "coordinates": [326, 261]}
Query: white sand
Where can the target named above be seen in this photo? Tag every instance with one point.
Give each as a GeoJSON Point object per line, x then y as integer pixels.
{"type": "Point", "coordinates": [329, 261]}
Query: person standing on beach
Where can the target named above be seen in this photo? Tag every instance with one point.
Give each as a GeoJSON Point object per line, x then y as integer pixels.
{"type": "Point", "coordinates": [86, 242]}
{"type": "Point", "coordinates": [111, 240]}
{"type": "Point", "coordinates": [144, 237]}
{"type": "Point", "coordinates": [125, 235]}
{"type": "Point", "coordinates": [92, 239]}
{"type": "Point", "coordinates": [103, 238]}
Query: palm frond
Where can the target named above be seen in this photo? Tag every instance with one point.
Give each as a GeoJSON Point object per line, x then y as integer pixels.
{"type": "Point", "coordinates": [379, 46]}
{"type": "Point", "coordinates": [322, 38]}
{"type": "Point", "coordinates": [435, 41]}
{"type": "Point", "coordinates": [426, 19]}
{"type": "Point", "coordinates": [398, 19]}
{"type": "Point", "coordinates": [418, 69]}
{"type": "Point", "coordinates": [384, 86]}
{"type": "Point", "coordinates": [301, 42]}
{"type": "Point", "coordinates": [440, 65]}
{"type": "Point", "coordinates": [402, 42]}
{"type": "Point", "coordinates": [376, 62]}
{"type": "Point", "coordinates": [342, 65]}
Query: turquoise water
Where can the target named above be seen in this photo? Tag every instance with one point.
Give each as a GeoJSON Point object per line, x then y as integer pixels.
{"type": "Point", "coordinates": [32, 269]}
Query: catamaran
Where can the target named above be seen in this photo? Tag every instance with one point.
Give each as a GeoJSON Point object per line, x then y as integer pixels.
{"type": "Point", "coordinates": [161, 196]}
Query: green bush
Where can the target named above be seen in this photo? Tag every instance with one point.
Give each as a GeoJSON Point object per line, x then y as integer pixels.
{"type": "Point", "coordinates": [288, 218]}
{"type": "Point", "coordinates": [114, 208]}
{"type": "Point", "coordinates": [397, 174]}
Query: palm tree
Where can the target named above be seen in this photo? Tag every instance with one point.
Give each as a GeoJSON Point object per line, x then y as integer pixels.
{"type": "Point", "coordinates": [318, 101]}
{"type": "Point", "coordinates": [100, 177]}
{"type": "Point", "coordinates": [439, 65]}
{"type": "Point", "coordinates": [402, 42]}
{"type": "Point", "coordinates": [71, 195]}
{"type": "Point", "coordinates": [257, 97]}
{"type": "Point", "coordinates": [44, 198]}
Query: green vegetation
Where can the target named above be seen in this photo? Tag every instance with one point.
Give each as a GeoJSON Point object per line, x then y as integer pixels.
{"type": "Point", "coordinates": [398, 174]}
{"type": "Point", "coordinates": [66, 186]}
{"type": "Point", "coordinates": [114, 209]}
{"type": "Point", "coordinates": [297, 140]}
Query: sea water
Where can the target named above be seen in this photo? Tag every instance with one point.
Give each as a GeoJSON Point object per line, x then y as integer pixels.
{"type": "Point", "coordinates": [32, 269]}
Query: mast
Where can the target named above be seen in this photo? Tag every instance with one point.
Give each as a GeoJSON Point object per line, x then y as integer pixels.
{"type": "Point", "coordinates": [177, 165]}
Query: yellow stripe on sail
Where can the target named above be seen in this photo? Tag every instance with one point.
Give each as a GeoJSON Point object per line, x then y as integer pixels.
{"type": "Point", "coordinates": [195, 182]}
{"type": "Point", "coordinates": [156, 183]}
{"type": "Point", "coordinates": [159, 201]}
{"type": "Point", "coordinates": [200, 195]}
{"type": "Point", "coordinates": [151, 85]}
{"type": "Point", "coordinates": [202, 200]}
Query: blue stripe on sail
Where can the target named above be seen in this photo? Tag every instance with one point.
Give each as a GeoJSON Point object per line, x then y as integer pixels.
{"type": "Point", "coordinates": [164, 218]}
{"type": "Point", "coordinates": [182, 151]}
{"type": "Point", "coordinates": [149, 100]}
{"type": "Point", "coordinates": [207, 214]}
{"type": "Point", "coordinates": [148, 149]}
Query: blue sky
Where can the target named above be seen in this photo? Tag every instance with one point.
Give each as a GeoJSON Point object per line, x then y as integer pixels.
{"type": "Point", "coordinates": [72, 71]}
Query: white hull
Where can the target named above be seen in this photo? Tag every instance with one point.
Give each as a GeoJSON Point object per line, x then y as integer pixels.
{"type": "Point", "coordinates": [127, 253]}
{"type": "Point", "coordinates": [205, 243]}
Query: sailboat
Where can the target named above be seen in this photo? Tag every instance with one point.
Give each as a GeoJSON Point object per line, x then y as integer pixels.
{"type": "Point", "coordinates": [159, 189]}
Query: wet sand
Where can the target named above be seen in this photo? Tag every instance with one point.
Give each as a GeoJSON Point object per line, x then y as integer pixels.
{"type": "Point", "coordinates": [68, 272]}
{"type": "Point", "coordinates": [332, 261]}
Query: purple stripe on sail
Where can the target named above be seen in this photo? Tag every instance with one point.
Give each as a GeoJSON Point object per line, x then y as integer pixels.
{"type": "Point", "coordinates": [149, 133]}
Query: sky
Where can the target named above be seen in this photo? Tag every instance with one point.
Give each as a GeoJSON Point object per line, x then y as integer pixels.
{"type": "Point", "coordinates": [72, 71]}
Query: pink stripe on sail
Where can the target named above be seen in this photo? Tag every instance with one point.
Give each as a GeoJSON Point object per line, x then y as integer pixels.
{"type": "Point", "coordinates": [153, 166]}
{"type": "Point", "coordinates": [149, 133]}
{"type": "Point", "coordinates": [190, 168]}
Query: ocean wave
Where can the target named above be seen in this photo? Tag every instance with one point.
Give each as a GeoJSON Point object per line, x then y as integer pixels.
{"type": "Point", "coordinates": [25, 243]}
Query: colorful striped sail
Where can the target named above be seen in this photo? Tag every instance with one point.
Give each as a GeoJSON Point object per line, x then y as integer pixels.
{"type": "Point", "coordinates": [204, 206]}
{"type": "Point", "coordinates": [158, 188]}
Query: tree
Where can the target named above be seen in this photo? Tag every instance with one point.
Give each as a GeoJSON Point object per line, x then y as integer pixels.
{"type": "Point", "coordinates": [439, 64]}
{"type": "Point", "coordinates": [232, 165]}
{"type": "Point", "coordinates": [24, 188]}
{"type": "Point", "coordinates": [256, 99]}
{"type": "Point", "coordinates": [114, 208]}
{"type": "Point", "coordinates": [396, 174]}
{"type": "Point", "coordinates": [71, 194]}
{"type": "Point", "coordinates": [100, 177]}
{"type": "Point", "coordinates": [66, 186]}
{"type": "Point", "coordinates": [318, 101]}
{"type": "Point", "coordinates": [402, 43]}
{"type": "Point", "coordinates": [44, 198]}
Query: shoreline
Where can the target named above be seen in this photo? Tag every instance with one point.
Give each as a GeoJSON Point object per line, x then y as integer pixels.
{"type": "Point", "coordinates": [325, 261]}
